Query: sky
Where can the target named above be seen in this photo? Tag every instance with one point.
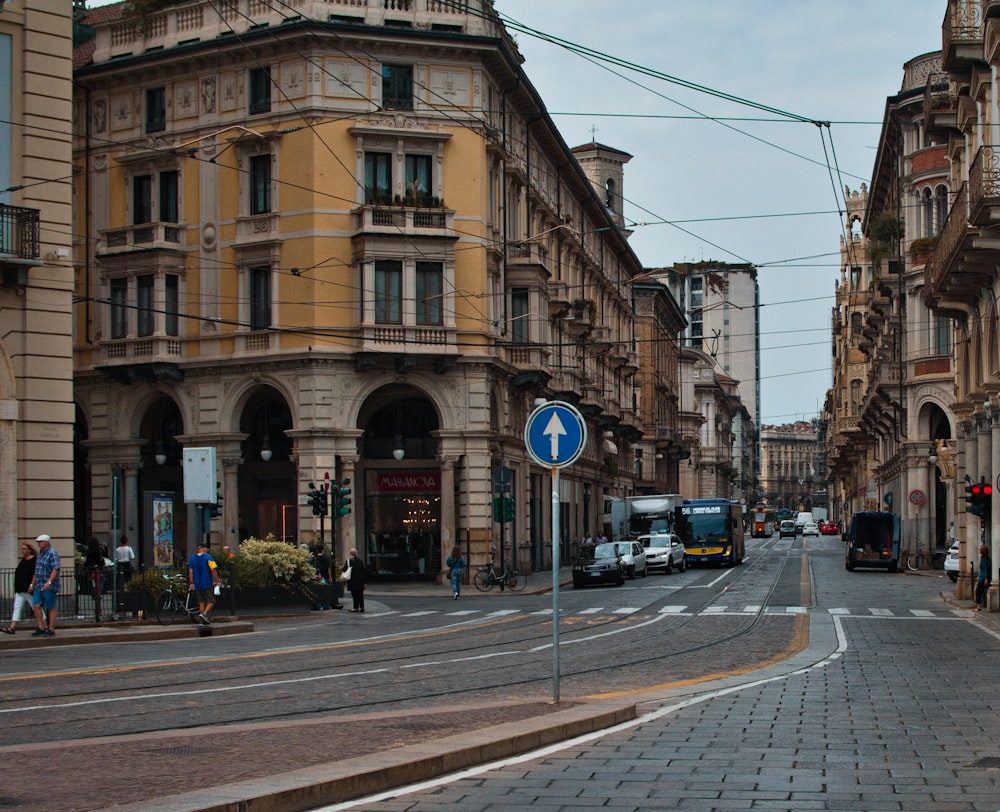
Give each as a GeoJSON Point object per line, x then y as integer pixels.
{"type": "Point", "coordinates": [737, 190]}
{"type": "Point", "coordinates": [712, 179]}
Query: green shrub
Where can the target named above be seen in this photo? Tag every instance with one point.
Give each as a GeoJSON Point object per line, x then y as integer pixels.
{"type": "Point", "coordinates": [154, 582]}
{"type": "Point", "coordinates": [269, 562]}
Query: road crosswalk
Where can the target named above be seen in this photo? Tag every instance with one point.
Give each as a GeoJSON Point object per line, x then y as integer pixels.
{"type": "Point", "coordinates": [708, 611]}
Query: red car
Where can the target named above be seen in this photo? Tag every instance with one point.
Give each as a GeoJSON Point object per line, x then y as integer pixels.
{"type": "Point", "coordinates": [829, 528]}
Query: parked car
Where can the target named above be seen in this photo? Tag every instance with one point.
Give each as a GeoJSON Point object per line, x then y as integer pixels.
{"type": "Point", "coordinates": [664, 551]}
{"type": "Point", "coordinates": [598, 564]}
{"type": "Point", "coordinates": [634, 557]}
{"type": "Point", "coordinates": [810, 529]}
{"type": "Point", "coordinates": [951, 562]}
{"type": "Point", "coordinates": [787, 528]}
{"type": "Point", "coordinates": [829, 528]}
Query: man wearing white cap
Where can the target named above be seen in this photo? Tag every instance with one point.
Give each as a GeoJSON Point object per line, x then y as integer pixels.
{"type": "Point", "coordinates": [44, 587]}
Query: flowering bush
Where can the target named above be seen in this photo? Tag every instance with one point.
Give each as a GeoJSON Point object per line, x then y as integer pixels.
{"type": "Point", "coordinates": [269, 562]}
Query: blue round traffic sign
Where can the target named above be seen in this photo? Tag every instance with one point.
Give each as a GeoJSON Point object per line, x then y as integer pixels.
{"type": "Point", "coordinates": [555, 434]}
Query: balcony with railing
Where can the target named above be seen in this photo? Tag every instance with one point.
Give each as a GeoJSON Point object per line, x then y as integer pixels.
{"type": "Point", "coordinates": [958, 269]}
{"type": "Point", "coordinates": [404, 221]}
{"type": "Point", "coordinates": [142, 237]}
{"type": "Point", "coordinates": [19, 230]}
{"type": "Point", "coordinates": [962, 34]}
{"type": "Point", "coordinates": [209, 21]}
{"type": "Point", "coordinates": [984, 187]}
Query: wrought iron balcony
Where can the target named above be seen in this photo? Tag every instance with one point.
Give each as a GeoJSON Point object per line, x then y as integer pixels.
{"type": "Point", "coordinates": [18, 232]}
{"type": "Point", "coordinates": [962, 34]}
{"type": "Point", "coordinates": [405, 221]}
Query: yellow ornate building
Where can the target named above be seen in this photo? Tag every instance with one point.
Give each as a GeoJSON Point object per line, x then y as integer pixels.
{"type": "Point", "coordinates": [343, 238]}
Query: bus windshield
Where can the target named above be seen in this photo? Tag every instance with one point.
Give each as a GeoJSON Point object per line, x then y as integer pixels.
{"type": "Point", "coordinates": [707, 525]}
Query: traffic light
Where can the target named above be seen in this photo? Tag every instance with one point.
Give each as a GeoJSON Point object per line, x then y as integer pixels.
{"type": "Point", "coordinates": [342, 498]}
{"type": "Point", "coordinates": [969, 499]}
{"type": "Point", "coordinates": [216, 509]}
{"type": "Point", "coordinates": [318, 500]}
{"type": "Point", "coordinates": [982, 499]}
{"type": "Point", "coordinates": [510, 506]}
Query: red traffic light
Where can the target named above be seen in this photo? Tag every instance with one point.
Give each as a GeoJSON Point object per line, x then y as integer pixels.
{"type": "Point", "coordinates": [977, 489]}
{"type": "Point", "coordinates": [986, 489]}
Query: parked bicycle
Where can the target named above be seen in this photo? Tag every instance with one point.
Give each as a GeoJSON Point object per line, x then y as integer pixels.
{"type": "Point", "coordinates": [169, 604]}
{"type": "Point", "coordinates": [487, 577]}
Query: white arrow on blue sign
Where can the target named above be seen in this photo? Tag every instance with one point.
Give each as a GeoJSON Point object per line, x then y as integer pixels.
{"type": "Point", "coordinates": [555, 434]}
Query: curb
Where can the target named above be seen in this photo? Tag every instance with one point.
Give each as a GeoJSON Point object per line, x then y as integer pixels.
{"type": "Point", "coordinates": [354, 778]}
{"type": "Point", "coordinates": [131, 633]}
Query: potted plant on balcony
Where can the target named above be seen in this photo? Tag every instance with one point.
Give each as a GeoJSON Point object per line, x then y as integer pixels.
{"type": "Point", "coordinates": [883, 239]}
{"type": "Point", "coordinates": [921, 249]}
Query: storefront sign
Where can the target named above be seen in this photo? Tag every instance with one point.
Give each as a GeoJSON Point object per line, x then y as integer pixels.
{"type": "Point", "coordinates": [408, 481]}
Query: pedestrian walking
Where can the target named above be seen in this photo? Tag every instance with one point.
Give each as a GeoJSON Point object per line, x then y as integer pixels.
{"type": "Point", "coordinates": [22, 579]}
{"type": "Point", "coordinates": [203, 578]}
{"type": "Point", "coordinates": [355, 571]}
{"type": "Point", "coordinates": [985, 574]}
{"type": "Point", "coordinates": [456, 570]}
{"type": "Point", "coordinates": [93, 565]}
{"type": "Point", "coordinates": [44, 587]}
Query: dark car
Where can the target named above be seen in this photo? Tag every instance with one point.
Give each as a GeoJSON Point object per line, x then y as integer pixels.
{"type": "Point", "coordinates": [598, 564]}
{"type": "Point", "coordinates": [873, 541]}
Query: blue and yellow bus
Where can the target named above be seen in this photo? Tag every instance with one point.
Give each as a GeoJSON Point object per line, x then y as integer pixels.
{"type": "Point", "coordinates": [712, 531]}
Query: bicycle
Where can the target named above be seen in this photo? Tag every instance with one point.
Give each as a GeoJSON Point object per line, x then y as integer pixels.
{"type": "Point", "coordinates": [168, 604]}
{"type": "Point", "coordinates": [487, 578]}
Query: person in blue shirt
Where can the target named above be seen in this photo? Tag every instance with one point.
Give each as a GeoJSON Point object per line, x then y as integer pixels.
{"type": "Point", "coordinates": [44, 588]}
{"type": "Point", "coordinates": [203, 578]}
{"type": "Point", "coordinates": [985, 576]}
{"type": "Point", "coordinates": [456, 570]}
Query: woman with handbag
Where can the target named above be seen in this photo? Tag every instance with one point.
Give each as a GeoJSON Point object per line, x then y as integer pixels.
{"type": "Point", "coordinates": [354, 575]}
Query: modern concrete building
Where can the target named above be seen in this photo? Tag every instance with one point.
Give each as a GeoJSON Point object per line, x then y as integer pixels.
{"type": "Point", "coordinates": [36, 275]}
{"type": "Point", "coordinates": [341, 238]}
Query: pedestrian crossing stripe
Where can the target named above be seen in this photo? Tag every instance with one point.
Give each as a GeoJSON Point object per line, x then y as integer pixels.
{"type": "Point", "coordinates": [678, 610]}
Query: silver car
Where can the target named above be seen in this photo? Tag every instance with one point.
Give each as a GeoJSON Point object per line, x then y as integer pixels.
{"type": "Point", "coordinates": [633, 557]}
{"type": "Point", "coordinates": [664, 552]}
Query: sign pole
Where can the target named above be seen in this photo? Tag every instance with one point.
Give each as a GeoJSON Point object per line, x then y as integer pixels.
{"type": "Point", "coordinates": [555, 584]}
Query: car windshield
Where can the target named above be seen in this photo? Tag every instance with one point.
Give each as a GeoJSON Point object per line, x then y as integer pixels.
{"type": "Point", "coordinates": [606, 551]}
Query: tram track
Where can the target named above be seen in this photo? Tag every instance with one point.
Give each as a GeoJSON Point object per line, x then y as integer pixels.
{"type": "Point", "coordinates": [426, 666]}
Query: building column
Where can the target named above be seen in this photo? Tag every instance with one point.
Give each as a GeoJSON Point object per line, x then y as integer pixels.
{"type": "Point", "coordinates": [346, 535]}
{"type": "Point", "coordinates": [448, 518]}
{"type": "Point", "coordinates": [8, 481]}
{"type": "Point", "coordinates": [130, 508]}
{"type": "Point", "coordinates": [230, 501]}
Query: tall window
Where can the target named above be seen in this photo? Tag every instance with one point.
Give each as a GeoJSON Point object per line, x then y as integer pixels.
{"type": "Point", "coordinates": [418, 177]}
{"type": "Point", "coordinates": [388, 291]}
{"type": "Point", "coordinates": [519, 315]}
{"type": "Point", "coordinates": [940, 335]}
{"type": "Point", "coordinates": [260, 90]}
{"type": "Point", "coordinates": [260, 298]}
{"type": "Point", "coordinates": [171, 317]}
{"type": "Point", "coordinates": [168, 196]}
{"type": "Point", "coordinates": [119, 308]}
{"type": "Point", "coordinates": [145, 318]}
{"type": "Point", "coordinates": [397, 87]}
{"type": "Point", "coordinates": [429, 292]}
{"type": "Point", "coordinates": [156, 109]}
{"type": "Point", "coordinates": [260, 184]}
{"type": "Point", "coordinates": [378, 177]}
{"type": "Point", "coordinates": [927, 204]}
{"type": "Point", "coordinates": [142, 199]}
{"type": "Point", "coordinates": [941, 204]}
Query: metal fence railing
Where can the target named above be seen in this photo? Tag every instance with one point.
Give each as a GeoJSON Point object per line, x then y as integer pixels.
{"type": "Point", "coordinates": [76, 598]}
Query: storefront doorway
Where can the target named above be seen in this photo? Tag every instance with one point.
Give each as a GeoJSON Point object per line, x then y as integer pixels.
{"type": "Point", "coordinates": [403, 516]}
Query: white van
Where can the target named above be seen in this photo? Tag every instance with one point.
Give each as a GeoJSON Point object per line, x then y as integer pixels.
{"type": "Point", "coordinates": [801, 519]}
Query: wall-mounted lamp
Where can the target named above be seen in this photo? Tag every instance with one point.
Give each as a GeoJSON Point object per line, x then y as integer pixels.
{"type": "Point", "coordinates": [161, 455]}
{"type": "Point", "coordinates": [932, 459]}
{"type": "Point", "coordinates": [265, 441]}
{"type": "Point", "coordinates": [398, 451]}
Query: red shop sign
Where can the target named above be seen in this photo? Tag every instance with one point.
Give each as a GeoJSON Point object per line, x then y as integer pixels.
{"type": "Point", "coordinates": [408, 481]}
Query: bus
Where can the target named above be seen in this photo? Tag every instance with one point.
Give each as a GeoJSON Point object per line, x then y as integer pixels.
{"type": "Point", "coordinates": [763, 522]}
{"type": "Point", "coordinates": [712, 531]}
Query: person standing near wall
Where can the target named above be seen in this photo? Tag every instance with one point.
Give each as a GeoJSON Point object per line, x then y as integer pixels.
{"type": "Point", "coordinates": [985, 575]}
